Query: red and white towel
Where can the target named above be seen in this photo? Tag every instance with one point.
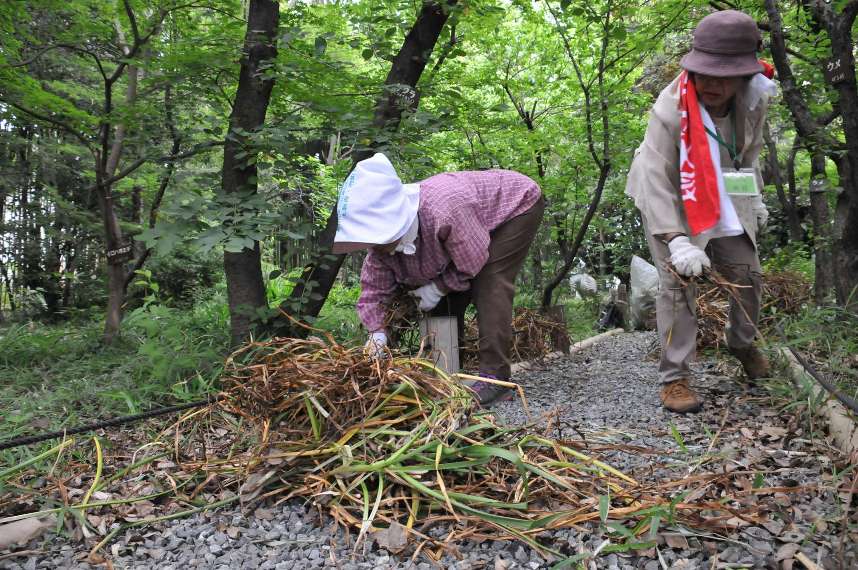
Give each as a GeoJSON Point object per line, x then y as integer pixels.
{"type": "Point", "coordinates": [706, 203]}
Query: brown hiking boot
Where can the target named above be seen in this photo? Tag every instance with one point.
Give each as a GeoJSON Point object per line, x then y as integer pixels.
{"type": "Point", "coordinates": [679, 397]}
{"type": "Point", "coordinates": [754, 362]}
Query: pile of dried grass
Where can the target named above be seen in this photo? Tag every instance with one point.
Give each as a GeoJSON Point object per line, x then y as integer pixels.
{"type": "Point", "coordinates": [390, 446]}
{"type": "Point", "coordinates": [784, 293]}
{"type": "Point", "coordinates": [395, 441]}
{"type": "Point", "coordinates": [534, 335]}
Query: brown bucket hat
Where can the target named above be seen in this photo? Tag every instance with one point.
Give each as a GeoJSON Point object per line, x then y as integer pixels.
{"type": "Point", "coordinates": [725, 45]}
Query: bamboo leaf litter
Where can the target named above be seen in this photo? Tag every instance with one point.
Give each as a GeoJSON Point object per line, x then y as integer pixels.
{"type": "Point", "coordinates": [377, 442]}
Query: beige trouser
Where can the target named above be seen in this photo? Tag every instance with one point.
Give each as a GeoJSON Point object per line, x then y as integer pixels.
{"type": "Point", "coordinates": [736, 259]}
{"type": "Point", "coordinates": [493, 289]}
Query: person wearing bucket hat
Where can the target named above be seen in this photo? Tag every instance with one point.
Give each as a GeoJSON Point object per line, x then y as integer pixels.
{"type": "Point", "coordinates": [452, 239]}
{"type": "Point", "coordinates": [696, 180]}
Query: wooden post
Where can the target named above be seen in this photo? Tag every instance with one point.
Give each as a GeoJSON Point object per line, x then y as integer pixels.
{"type": "Point", "coordinates": [560, 337]}
{"type": "Point", "coordinates": [623, 304]}
{"type": "Point", "coordinates": [441, 344]}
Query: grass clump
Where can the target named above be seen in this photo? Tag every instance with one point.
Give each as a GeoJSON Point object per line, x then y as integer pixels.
{"type": "Point", "coordinates": [61, 375]}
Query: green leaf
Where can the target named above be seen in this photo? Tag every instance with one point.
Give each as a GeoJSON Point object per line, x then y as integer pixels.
{"type": "Point", "coordinates": [628, 546]}
{"type": "Point", "coordinates": [677, 437]}
{"type": "Point", "coordinates": [620, 528]}
{"type": "Point", "coordinates": [604, 506]}
{"type": "Point", "coordinates": [367, 54]}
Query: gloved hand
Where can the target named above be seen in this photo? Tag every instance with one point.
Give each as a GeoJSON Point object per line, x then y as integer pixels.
{"type": "Point", "coordinates": [687, 258]}
{"type": "Point", "coordinates": [428, 295]}
{"type": "Point", "coordinates": [375, 345]}
{"type": "Point", "coordinates": [762, 214]}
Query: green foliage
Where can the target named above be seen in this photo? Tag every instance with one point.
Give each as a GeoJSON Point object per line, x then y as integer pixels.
{"type": "Point", "coordinates": [793, 257]}
{"type": "Point", "coordinates": [338, 316]}
{"type": "Point", "coordinates": [826, 335]}
{"type": "Point", "coordinates": [61, 375]}
{"type": "Point", "coordinates": [183, 272]}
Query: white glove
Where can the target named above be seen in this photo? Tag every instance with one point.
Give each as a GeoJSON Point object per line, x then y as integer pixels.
{"type": "Point", "coordinates": [762, 214]}
{"type": "Point", "coordinates": [687, 258]}
{"type": "Point", "coordinates": [429, 296]}
{"type": "Point", "coordinates": [376, 343]}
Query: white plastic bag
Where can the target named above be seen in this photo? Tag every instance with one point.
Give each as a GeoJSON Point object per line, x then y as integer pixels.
{"type": "Point", "coordinates": [643, 292]}
{"type": "Point", "coordinates": [584, 285]}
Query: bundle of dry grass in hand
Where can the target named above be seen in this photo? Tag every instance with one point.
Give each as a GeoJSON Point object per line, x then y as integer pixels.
{"type": "Point", "coordinates": [784, 293]}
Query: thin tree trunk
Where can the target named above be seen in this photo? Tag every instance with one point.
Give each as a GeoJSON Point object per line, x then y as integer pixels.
{"type": "Point", "coordinates": [600, 154]}
{"type": "Point", "coordinates": [245, 286]}
{"type": "Point", "coordinates": [548, 292]}
{"type": "Point", "coordinates": [141, 252]}
{"type": "Point", "coordinates": [792, 188]}
{"type": "Point", "coordinates": [821, 217]}
{"type": "Point", "coordinates": [114, 239]}
{"type": "Point", "coordinates": [788, 207]}
{"type": "Point", "coordinates": [399, 94]}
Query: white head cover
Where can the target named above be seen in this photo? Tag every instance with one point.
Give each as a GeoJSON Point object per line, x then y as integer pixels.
{"type": "Point", "coordinates": [374, 206]}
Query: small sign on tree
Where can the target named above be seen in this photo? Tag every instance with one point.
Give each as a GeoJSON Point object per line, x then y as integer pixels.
{"type": "Point", "coordinates": [119, 255]}
{"type": "Point", "coordinates": [835, 71]}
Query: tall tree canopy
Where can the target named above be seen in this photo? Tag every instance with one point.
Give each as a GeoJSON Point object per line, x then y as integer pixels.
{"type": "Point", "coordinates": [137, 131]}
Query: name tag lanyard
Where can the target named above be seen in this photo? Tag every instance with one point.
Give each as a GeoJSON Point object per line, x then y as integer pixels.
{"type": "Point", "coordinates": [731, 148]}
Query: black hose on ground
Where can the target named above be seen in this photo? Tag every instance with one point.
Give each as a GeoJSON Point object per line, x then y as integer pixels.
{"type": "Point", "coordinates": [31, 439]}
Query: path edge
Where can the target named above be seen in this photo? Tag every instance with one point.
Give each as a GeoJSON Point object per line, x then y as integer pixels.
{"type": "Point", "coordinates": [842, 428]}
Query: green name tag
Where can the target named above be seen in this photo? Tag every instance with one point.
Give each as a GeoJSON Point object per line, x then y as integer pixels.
{"type": "Point", "coordinates": [741, 182]}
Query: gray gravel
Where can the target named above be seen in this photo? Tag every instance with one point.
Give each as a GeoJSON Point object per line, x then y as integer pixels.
{"type": "Point", "coordinates": [607, 395]}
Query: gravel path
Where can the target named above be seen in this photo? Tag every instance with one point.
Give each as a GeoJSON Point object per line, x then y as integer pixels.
{"type": "Point", "coordinates": [608, 395]}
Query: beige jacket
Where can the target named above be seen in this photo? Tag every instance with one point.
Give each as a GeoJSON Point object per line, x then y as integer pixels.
{"type": "Point", "coordinates": [653, 180]}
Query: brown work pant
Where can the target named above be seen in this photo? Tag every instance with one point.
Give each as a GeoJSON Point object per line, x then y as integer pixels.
{"type": "Point", "coordinates": [736, 259]}
{"type": "Point", "coordinates": [493, 289]}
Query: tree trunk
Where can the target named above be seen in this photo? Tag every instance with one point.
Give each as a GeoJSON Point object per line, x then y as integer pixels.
{"type": "Point", "coordinates": [821, 217]}
{"type": "Point", "coordinates": [105, 169]}
{"type": "Point", "coordinates": [536, 263]}
{"type": "Point", "coordinates": [141, 252]}
{"type": "Point", "coordinates": [774, 166]}
{"type": "Point", "coordinates": [245, 287]}
{"type": "Point", "coordinates": [838, 27]}
{"type": "Point", "coordinates": [846, 210]}
{"type": "Point", "coordinates": [399, 94]}
{"type": "Point", "coordinates": [600, 154]}
{"type": "Point", "coordinates": [548, 292]}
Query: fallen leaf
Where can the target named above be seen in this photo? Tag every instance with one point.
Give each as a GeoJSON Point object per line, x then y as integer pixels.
{"type": "Point", "coordinates": [23, 531]}
{"type": "Point", "coordinates": [233, 532]}
{"type": "Point", "coordinates": [393, 538]}
{"type": "Point", "coordinates": [791, 536]}
{"type": "Point", "coordinates": [735, 522]}
{"type": "Point", "coordinates": [773, 432]}
{"type": "Point", "coordinates": [773, 526]}
{"type": "Point", "coordinates": [264, 514]}
{"type": "Point", "coordinates": [254, 484]}
{"type": "Point", "coordinates": [675, 540]}
{"type": "Point", "coordinates": [786, 551]}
